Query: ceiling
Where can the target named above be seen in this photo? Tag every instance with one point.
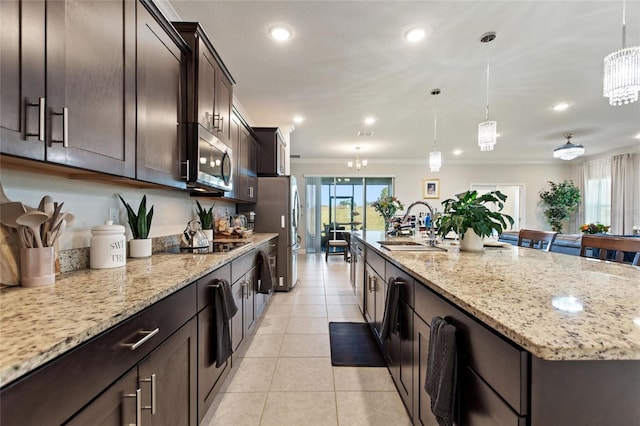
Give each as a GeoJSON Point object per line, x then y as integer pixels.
{"type": "Point", "coordinates": [349, 59]}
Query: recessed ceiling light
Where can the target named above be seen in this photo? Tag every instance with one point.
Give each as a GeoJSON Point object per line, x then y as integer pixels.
{"type": "Point", "coordinates": [369, 121]}
{"type": "Point", "coordinates": [415, 35]}
{"type": "Point", "coordinates": [498, 135]}
{"type": "Point", "coordinates": [561, 106]}
{"type": "Point", "coordinates": [638, 136]}
{"type": "Point", "coordinates": [280, 33]}
{"type": "Point", "coordinates": [298, 119]}
{"type": "Point", "coordinates": [457, 152]}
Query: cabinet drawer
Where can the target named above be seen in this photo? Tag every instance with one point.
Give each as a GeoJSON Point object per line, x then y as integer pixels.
{"type": "Point", "coordinates": [241, 266]}
{"type": "Point", "coordinates": [483, 407]}
{"type": "Point", "coordinates": [376, 261]}
{"type": "Point", "coordinates": [407, 289]}
{"type": "Point", "coordinates": [500, 363]}
{"type": "Point", "coordinates": [87, 370]}
{"type": "Point", "coordinates": [205, 295]}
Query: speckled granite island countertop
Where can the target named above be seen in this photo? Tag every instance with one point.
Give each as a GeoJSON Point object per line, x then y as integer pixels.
{"type": "Point", "coordinates": [556, 306]}
{"type": "Point", "coordinates": [39, 324]}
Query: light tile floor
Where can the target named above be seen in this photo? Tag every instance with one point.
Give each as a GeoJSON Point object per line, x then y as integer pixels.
{"type": "Point", "coordinates": [285, 377]}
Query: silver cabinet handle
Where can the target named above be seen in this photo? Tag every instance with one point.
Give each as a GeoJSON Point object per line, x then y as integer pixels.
{"type": "Point", "coordinates": [251, 192]}
{"type": "Point", "coordinates": [138, 397]}
{"type": "Point", "coordinates": [272, 261]}
{"type": "Point", "coordinates": [186, 174]}
{"type": "Point", "coordinates": [41, 119]}
{"type": "Point", "coordinates": [65, 128]}
{"type": "Point", "coordinates": [153, 405]}
{"type": "Point", "coordinates": [245, 294]}
{"type": "Point", "coordinates": [147, 335]}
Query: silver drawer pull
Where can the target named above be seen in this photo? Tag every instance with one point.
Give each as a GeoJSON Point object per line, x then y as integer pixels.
{"type": "Point", "coordinates": [65, 128]}
{"type": "Point", "coordinates": [41, 119]}
{"type": "Point", "coordinates": [153, 405]}
{"type": "Point", "coordinates": [138, 397]}
{"type": "Point", "coordinates": [147, 335]}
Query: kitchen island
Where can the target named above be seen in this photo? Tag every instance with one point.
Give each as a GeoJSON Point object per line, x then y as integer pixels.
{"type": "Point", "coordinates": [41, 328]}
{"type": "Point", "coordinates": [545, 338]}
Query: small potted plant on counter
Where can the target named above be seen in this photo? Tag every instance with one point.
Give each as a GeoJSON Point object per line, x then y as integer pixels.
{"type": "Point", "coordinates": [206, 219]}
{"type": "Point", "coordinates": [594, 228]}
{"type": "Point", "coordinates": [469, 217]}
{"type": "Point", "coordinates": [140, 223]}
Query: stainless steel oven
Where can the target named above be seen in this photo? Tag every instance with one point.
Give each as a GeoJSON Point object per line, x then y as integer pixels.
{"type": "Point", "coordinates": [209, 161]}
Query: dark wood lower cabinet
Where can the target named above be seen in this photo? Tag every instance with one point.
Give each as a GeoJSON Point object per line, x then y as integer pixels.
{"type": "Point", "coordinates": [421, 402]}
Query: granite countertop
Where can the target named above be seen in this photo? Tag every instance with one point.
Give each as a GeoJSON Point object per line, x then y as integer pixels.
{"type": "Point", "coordinates": [39, 324]}
{"type": "Point", "coordinates": [556, 306]}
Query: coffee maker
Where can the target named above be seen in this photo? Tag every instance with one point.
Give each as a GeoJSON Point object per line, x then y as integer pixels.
{"type": "Point", "coordinates": [251, 219]}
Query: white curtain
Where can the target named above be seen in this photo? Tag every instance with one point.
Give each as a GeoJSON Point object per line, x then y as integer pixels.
{"type": "Point", "coordinates": [597, 191]}
{"type": "Point", "coordinates": [622, 194]}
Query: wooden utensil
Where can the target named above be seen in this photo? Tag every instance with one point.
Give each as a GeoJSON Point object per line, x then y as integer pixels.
{"type": "Point", "coordinates": [33, 220]}
{"type": "Point", "coordinates": [10, 212]}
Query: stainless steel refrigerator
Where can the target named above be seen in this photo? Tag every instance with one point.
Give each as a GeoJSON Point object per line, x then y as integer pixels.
{"type": "Point", "coordinates": [278, 211]}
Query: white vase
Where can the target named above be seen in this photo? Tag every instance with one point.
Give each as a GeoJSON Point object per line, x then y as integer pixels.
{"type": "Point", "coordinates": [471, 241]}
{"type": "Point", "coordinates": [209, 234]}
{"type": "Point", "coordinates": [140, 248]}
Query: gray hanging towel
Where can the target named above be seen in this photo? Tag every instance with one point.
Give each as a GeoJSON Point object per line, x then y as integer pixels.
{"type": "Point", "coordinates": [442, 370]}
{"type": "Point", "coordinates": [225, 308]}
{"type": "Point", "coordinates": [266, 281]}
{"type": "Point", "coordinates": [390, 318]}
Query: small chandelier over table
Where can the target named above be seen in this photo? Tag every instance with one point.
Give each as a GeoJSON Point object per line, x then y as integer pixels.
{"type": "Point", "coordinates": [569, 150]}
{"type": "Point", "coordinates": [487, 130]}
{"type": "Point", "coordinates": [622, 71]}
{"type": "Point", "coordinates": [435, 156]}
{"type": "Point", "coordinates": [358, 164]}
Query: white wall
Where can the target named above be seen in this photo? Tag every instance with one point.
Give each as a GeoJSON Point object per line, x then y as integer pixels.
{"type": "Point", "coordinates": [90, 201]}
{"type": "Point", "coordinates": [453, 179]}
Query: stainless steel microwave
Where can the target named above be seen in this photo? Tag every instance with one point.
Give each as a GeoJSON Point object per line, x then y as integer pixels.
{"type": "Point", "coordinates": [209, 161]}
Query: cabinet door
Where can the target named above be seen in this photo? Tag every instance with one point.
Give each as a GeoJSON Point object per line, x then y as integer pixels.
{"type": "Point", "coordinates": [91, 85]}
{"type": "Point", "coordinates": [399, 354]}
{"type": "Point", "coordinates": [237, 322]}
{"type": "Point", "coordinates": [249, 301]}
{"type": "Point", "coordinates": [208, 373]}
{"type": "Point", "coordinates": [22, 77]}
{"type": "Point", "coordinates": [369, 295]}
{"type": "Point", "coordinates": [159, 108]}
{"type": "Point", "coordinates": [249, 159]}
{"type": "Point", "coordinates": [236, 177]}
{"type": "Point", "coordinates": [207, 75]}
{"type": "Point", "coordinates": [116, 406]}
{"type": "Point", "coordinates": [380, 287]}
{"type": "Point", "coordinates": [252, 169]}
{"type": "Point", "coordinates": [223, 101]}
{"type": "Point", "coordinates": [422, 414]}
{"type": "Point", "coordinates": [168, 380]}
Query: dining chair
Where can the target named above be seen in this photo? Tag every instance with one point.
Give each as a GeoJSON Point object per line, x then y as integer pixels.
{"type": "Point", "coordinates": [336, 239]}
{"type": "Point", "coordinates": [601, 245]}
{"type": "Point", "coordinates": [536, 239]}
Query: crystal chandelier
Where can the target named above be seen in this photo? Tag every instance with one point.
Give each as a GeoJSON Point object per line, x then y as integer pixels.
{"type": "Point", "coordinates": [358, 164]}
{"type": "Point", "coordinates": [569, 150]}
{"type": "Point", "coordinates": [622, 71]}
{"type": "Point", "coordinates": [487, 130]}
{"type": "Point", "coordinates": [435, 156]}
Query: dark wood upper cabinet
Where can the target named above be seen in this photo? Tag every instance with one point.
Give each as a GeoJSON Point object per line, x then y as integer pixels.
{"type": "Point", "coordinates": [160, 106]}
{"type": "Point", "coordinates": [91, 99]}
{"type": "Point", "coordinates": [209, 83]}
{"type": "Point", "coordinates": [22, 78]}
{"type": "Point", "coordinates": [272, 151]}
{"type": "Point", "coordinates": [86, 56]}
{"type": "Point", "coordinates": [245, 149]}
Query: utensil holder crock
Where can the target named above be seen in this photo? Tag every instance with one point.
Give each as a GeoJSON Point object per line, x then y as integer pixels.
{"type": "Point", "coordinates": [37, 266]}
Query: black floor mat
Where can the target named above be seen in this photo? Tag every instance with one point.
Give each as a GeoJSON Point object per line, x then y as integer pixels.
{"type": "Point", "coordinates": [353, 345]}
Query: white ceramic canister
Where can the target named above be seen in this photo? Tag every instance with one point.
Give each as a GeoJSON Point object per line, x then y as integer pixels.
{"type": "Point", "coordinates": [108, 246]}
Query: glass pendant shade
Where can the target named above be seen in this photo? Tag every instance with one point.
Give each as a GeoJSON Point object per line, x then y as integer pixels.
{"type": "Point", "coordinates": [487, 135]}
{"type": "Point", "coordinates": [435, 161]}
{"type": "Point", "coordinates": [569, 150]}
{"type": "Point", "coordinates": [622, 76]}
{"type": "Point", "coordinates": [358, 164]}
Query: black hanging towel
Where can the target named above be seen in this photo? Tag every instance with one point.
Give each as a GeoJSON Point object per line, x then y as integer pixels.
{"type": "Point", "coordinates": [225, 308]}
{"type": "Point", "coordinates": [266, 282]}
{"type": "Point", "coordinates": [442, 370]}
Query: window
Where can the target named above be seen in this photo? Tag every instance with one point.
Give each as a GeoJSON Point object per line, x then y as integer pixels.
{"type": "Point", "coordinates": [597, 191]}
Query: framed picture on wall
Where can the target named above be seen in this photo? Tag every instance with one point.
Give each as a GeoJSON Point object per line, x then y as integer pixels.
{"type": "Point", "coordinates": [430, 188]}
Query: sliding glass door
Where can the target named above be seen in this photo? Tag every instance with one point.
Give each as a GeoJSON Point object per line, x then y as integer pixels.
{"type": "Point", "coordinates": [341, 203]}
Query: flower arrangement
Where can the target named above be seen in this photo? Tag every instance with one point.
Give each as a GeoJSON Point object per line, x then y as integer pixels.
{"type": "Point", "coordinates": [387, 205]}
{"type": "Point", "coordinates": [594, 228]}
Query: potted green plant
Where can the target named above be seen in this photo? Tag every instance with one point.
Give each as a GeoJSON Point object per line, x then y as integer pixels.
{"type": "Point", "coordinates": [206, 219]}
{"type": "Point", "coordinates": [561, 199]}
{"type": "Point", "coordinates": [469, 217]}
{"type": "Point", "coordinates": [140, 224]}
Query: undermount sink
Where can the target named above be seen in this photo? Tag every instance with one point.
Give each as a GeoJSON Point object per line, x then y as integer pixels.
{"type": "Point", "coordinates": [394, 245]}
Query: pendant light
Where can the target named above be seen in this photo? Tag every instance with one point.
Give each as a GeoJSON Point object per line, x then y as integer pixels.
{"type": "Point", "coordinates": [487, 130]}
{"type": "Point", "coordinates": [435, 156]}
{"type": "Point", "coordinates": [569, 150]}
{"type": "Point", "coordinates": [358, 163]}
{"type": "Point", "coordinates": [622, 71]}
